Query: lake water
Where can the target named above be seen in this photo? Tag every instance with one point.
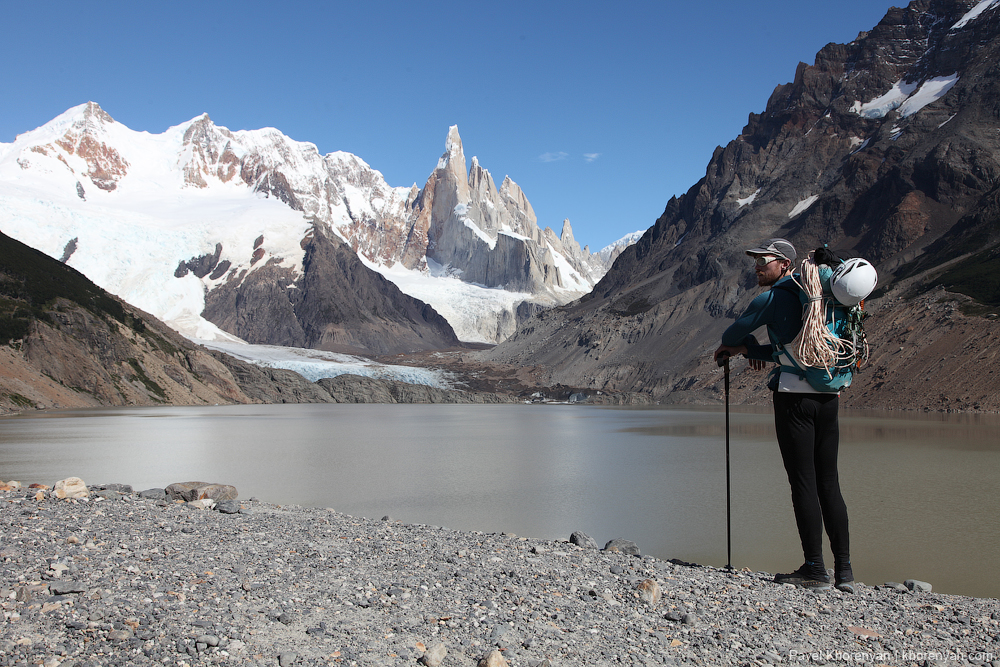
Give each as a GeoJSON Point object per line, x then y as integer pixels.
{"type": "Point", "coordinates": [922, 490]}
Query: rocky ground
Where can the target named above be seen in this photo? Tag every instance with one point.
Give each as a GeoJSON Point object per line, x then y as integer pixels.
{"type": "Point", "coordinates": [120, 578]}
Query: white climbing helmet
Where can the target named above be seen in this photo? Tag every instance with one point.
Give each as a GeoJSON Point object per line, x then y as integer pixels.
{"type": "Point", "coordinates": [853, 281]}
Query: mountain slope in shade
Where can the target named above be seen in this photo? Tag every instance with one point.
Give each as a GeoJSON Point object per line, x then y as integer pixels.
{"type": "Point", "coordinates": [74, 345]}
{"type": "Point", "coordinates": [886, 147]}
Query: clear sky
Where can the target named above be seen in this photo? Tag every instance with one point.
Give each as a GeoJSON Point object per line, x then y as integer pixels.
{"type": "Point", "coordinates": [600, 111]}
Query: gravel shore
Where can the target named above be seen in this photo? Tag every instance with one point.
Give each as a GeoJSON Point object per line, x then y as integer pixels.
{"type": "Point", "coordinates": [120, 579]}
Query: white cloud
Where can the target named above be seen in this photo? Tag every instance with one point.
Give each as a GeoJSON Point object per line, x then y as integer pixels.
{"type": "Point", "coordinates": [590, 157]}
{"type": "Point", "coordinates": [553, 157]}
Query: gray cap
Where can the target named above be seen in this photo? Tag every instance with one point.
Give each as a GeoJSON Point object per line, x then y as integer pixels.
{"type": "Point", "coordinates": [778, 247]}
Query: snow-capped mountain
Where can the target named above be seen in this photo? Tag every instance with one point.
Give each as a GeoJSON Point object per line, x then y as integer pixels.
{"type": "Point", "coordinates": [137, 214]}
{"type": "Point", "coordinates": [213, 231]}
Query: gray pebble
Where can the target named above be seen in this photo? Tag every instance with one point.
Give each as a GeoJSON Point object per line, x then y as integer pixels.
{"type": "Point", "coordinates": [228, 506]}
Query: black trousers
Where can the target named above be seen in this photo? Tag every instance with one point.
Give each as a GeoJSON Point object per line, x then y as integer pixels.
{"type": "Point", "coordinates": [809, 439]}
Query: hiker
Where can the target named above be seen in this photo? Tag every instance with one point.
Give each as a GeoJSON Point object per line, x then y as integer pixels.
{"type": "Point", "coordinates": [805, 420]}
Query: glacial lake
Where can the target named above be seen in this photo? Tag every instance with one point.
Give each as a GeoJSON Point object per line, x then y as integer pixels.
{"type": "Point", "coordinates": [923, 490]}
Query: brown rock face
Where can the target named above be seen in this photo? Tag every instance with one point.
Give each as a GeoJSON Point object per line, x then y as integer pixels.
{"type": "Point", "coordinates": [337, 305]}
{"type": "Point", "coordinates": [909, 190]}
{"type": "Point", "coordinates": [105, 165]}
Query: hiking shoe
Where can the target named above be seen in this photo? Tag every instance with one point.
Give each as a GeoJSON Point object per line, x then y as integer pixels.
{"type": "Point", "coordinates": [806, 577]}
{"type": "Point", "coordinates": [844, 577]}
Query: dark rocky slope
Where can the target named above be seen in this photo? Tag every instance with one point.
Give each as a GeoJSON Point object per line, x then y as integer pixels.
{"type": "Point", "coordinates": [337, 304]}
{"type": "Point", "coordinates": [68, 343]}
{"type": "Point", "coordinates": [917, 193]}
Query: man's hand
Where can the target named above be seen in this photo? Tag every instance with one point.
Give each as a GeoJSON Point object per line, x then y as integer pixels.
{"type": "Point", "coordinates": [732, 351]}
{"type": "Point", "coordinates": [729, 351]}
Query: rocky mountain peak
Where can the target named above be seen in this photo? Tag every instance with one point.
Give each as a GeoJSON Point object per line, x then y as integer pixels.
{"type": "Point", "coordinates": [451, 166]}
{"type": "Point", "coordinates": [481, 183]}
{"type": "Point", "coordinates": [484, 235]}
{"type": "Point", "coordinates": [885, 147]}
{"type": "Point", "coordinates": [94, 116]}
{"type": "Point", "coordinates": [86, 138]}
{"type": "Point", "coordinates": [566, 235]}
{"type": "Point", "coordinates": [453, 159]}
{"type": "Point", "coordinates": [211, 153]}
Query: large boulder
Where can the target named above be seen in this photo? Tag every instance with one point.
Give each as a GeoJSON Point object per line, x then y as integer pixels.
{"type": "Point", "coordinates": [188, 491]}
{"type": "Point", "coordinates": [71, 487]}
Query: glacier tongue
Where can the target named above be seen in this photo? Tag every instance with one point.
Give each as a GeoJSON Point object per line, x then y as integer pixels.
{"type": "Point", "coordinates": [315, 365]}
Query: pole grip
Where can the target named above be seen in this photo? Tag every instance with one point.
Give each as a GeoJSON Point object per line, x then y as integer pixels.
{"type": "Point", "coordinates": [723, 360]}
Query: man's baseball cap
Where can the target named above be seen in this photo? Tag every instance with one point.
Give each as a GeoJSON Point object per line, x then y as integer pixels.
{"type": "Point", "coordinates": [778, 247]}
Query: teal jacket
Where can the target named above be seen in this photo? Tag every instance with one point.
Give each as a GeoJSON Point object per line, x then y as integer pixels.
{"type": "Point", "coordinates": [777, 309]}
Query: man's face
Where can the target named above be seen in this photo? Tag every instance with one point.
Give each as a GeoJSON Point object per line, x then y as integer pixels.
{"type": "Point", "coordinates": [771, 271]}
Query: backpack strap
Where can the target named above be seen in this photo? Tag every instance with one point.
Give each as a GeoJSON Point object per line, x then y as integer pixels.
{"type": "Point", "coordinates": [780, 355]}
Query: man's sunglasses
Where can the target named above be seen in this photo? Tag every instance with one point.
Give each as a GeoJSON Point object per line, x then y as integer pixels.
{"type": "Point", "coordinates": [763, 260]}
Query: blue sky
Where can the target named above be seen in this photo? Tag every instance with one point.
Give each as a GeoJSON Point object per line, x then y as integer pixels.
{"type": "Point", "coordinates": [599, 111]}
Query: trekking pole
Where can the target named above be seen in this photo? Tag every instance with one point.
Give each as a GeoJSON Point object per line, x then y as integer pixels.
{"type": "Point", "coordinates": [724, 361]}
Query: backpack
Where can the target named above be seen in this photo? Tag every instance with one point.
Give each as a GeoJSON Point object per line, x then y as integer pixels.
{"type": "Point", "coordinates": [849, 343]}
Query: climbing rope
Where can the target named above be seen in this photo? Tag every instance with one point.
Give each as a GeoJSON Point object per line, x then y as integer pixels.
{"type": "Point", "coordinates": [816, 345]}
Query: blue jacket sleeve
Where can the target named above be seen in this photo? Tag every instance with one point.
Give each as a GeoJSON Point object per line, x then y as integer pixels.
{"type": "Point", "coordinates": [777, 309]}
{"type": "Point", "coordinates": [758, 314]}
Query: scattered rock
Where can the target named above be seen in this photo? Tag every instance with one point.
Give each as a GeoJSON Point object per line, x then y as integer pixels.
{"type": "Point", "coordinates": [156, 583]}
{"type": "Point", "coordinates": [650, 592]}
{"type": "Point", "coordinates": [917, 586]}
{"type": "Point", "coordinates": [228, 506]}
{"type": "Point", "coordinates": [66, 587]}
{"type": "Point", "coordinates": [583, 540]}
{"type": "Point", "coordinates": [493, 659]}
{"type": "Point", "coordinates": [202, 504]}
{"type": "Point", "coordinates": [435, 655]}
{"type": "Point", "coordinates": [623, 546]}
{"type": "Point", "coordinates": [123, 489]}
{"type": "Point", "coordinates": [71, 487]}
{"type": "Point", "coordinates": [188, 491]}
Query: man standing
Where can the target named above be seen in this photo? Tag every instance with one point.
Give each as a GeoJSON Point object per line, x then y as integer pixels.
{"type": "Point", "coordinates": [805, 420]}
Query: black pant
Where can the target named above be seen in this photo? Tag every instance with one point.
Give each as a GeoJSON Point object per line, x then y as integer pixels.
{"type": "Point", "coordinates": [809, 437]}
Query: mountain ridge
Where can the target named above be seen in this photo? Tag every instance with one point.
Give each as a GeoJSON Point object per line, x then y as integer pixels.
{"type": "Point", "coordinates": [885, 147]}
{"type": "Point", "coordinates": [83, 164]}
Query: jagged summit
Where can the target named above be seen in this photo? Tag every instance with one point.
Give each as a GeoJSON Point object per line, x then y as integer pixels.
{"type": "Point", "coordinates": [454, 155]}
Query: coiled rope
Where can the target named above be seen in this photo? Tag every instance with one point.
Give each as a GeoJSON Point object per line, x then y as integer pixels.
{"type": "Point", "coordinates": [816, 345]}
